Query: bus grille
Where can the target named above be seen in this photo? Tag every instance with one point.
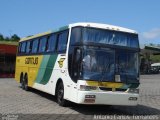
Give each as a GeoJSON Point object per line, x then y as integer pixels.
{"type": "Point", "coordinates": [110, 89]}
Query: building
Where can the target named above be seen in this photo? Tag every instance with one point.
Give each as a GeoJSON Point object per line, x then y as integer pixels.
{"type": "Point", "coordinates": [147, 54]}
{"type": "Point", "coordinates": [7, 58]}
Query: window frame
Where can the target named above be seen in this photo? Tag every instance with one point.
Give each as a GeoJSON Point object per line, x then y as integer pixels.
{"type": "Point", "coordinates": [47, 43]}
{"type": "Point", "coordinates": [21, 47]}
{"type": "Point", "coordinates": [58, 41]}
{"type": "Point", "coordinates": [30, 46]}
{"type": "Point", "coordinates": [39, 47]}
{"type": "Point", "coordinates": [34, 40]}
{"type": "Point", "coordinates": [48, 36]}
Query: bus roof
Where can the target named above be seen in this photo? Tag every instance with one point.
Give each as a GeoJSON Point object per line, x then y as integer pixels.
{"type": "Point", "coordinates": [44, 33]}
{"type": "Point", "coordinates": [103, 26]}
{"type": "Point", "coordinates": [83, 24]}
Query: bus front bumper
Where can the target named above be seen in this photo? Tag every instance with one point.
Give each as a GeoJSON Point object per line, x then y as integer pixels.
{"type": "Point", "coordinates": [107, 98]}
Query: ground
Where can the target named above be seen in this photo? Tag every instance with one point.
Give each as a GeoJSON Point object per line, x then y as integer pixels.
{"type": "Point", "coordinates": [17, 103]}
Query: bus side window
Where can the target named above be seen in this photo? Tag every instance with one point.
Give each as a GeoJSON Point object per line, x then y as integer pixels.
{"type": "Point", "coordinates": [23, 47]}
{"type": "Point", "coordinates": [42, 44]}
{"type": "Point", "coordinates": [62, 41]}
{"type": "Point", "coordinates": [28, 48]}
{"type": "Point", "coordinates": [76, 35]}
{"type": "Point", "coordinates": [51, 43]}
{"type": "Point", "coordinates": [35, 46]}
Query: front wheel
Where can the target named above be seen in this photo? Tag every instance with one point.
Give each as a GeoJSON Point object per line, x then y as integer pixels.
{"type": "Point", "coordinates": [60, 95]}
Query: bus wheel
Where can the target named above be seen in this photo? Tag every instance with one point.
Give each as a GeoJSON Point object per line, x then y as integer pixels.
{"type": "Point", "coordinates": [22, 82]}
{"type": "Point", "coordinates": [26, 83]}
{"type": "Point", "coordinates": [60, 95]}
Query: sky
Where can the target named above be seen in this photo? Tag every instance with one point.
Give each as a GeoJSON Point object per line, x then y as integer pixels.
{"type": "Point", "coordinates": [29, 17]}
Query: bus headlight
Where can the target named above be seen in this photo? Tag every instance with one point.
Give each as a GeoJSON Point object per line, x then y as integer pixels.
{"type": "Point", "coordinates": [133, 90]}
{"type": "Point", "coordinates": [88, 88]}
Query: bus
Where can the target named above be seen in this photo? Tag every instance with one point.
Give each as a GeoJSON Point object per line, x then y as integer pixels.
{"type": "Point", "coordinates": [84, 63]}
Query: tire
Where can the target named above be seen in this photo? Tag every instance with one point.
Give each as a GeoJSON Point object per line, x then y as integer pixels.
{"type": "Point", "coordinates": [60, 95]}
{"type": "Point", "coordinates": [22, 81]}
{"type": "Point", "coordinates": [26, 88]}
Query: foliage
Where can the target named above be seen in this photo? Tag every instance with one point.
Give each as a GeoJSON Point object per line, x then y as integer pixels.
{"type": "Point", "coordinates": [1, 37]}
{"type": "Point", "coordinates": [13, 38]}
{"type": "Point", "coordinates": [155, 58]}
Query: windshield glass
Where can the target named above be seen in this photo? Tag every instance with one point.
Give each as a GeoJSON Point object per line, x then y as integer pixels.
{"type": "Point", "coordinates": [106, 62]}
{"type": "Point", "coordinates": [103, 65]}
{"type": "Point", "coordinates": [98, 65]}
{"type": "Point", "coordinates": [127, 66]}
{"type": "Point", "coordinates": [110, 37]}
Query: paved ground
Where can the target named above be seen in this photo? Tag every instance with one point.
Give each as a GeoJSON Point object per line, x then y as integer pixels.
{"type": "Point", "coordinates": [14, 102]}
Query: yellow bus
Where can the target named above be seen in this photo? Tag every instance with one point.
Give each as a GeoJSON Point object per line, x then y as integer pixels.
{"type": "Point", "coordinates": [85, 63]}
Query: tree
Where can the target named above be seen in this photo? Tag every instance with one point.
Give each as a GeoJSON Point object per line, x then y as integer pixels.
{"type": "Point", "coordinates": [7, 39]}
{"type": "Point", "coordinates": [15, 38]}
{"type": "Point", "coordinates": [1, 37]}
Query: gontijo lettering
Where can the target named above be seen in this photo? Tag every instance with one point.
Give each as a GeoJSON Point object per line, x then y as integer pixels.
{"type": "Point", "coordinates": [31, 60]}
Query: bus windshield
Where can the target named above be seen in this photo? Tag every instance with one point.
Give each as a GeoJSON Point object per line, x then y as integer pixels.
{"type": "Point", "coordinates": [127, 66]}
{"type": "Point", "coordinates": [103, 58]}
{"type": "Point", "coordinates": [103, 65]}
{"type": "Point", "coordinates": [98, 65]}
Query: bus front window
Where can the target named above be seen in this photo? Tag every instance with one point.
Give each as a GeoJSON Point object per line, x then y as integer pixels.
{"type": "Point", "coordinates": [106, 54]}
{"type": "Point", "coordinates": [127, 66]}
{"type": "Point", "coordinates": [98, 65]}
{"type": "Point", "coordinates": [103, 65]}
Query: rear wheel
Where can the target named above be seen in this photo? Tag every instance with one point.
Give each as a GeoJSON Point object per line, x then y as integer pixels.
{"type": "Point", "coordinates": [60, 95]}
{"type": "Point", "coordinates": [22, 81]}
{"type": "Point", "coordinates": [26, 83]}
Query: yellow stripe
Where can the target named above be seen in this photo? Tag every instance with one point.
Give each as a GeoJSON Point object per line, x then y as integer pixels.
{"type": "Point", "coordinates": [105, 84]}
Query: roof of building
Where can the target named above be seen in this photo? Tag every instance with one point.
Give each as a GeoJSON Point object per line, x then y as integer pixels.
{"type": "Point", "coordinates": [151, 50]}
{"type": "Point", "coordinates": [8, 48]}
{"type": "Point", "coordinates": [8, 43]}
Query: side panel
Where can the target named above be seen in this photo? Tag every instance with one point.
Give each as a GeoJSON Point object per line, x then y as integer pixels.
{"type": "Point", "coordinates": [46, 69]}
{"type": "Point", "coordinates": [43, 71]}
{"type": "Point", "coordinates": [53, 69]}
{"type": "Point", "coordinates": [28, 65]}
{"type": "Point", "coordinates": [38, 68]}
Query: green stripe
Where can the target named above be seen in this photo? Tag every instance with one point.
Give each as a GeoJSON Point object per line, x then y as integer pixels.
{"type": "Point", "coordinates": [46, 69]}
